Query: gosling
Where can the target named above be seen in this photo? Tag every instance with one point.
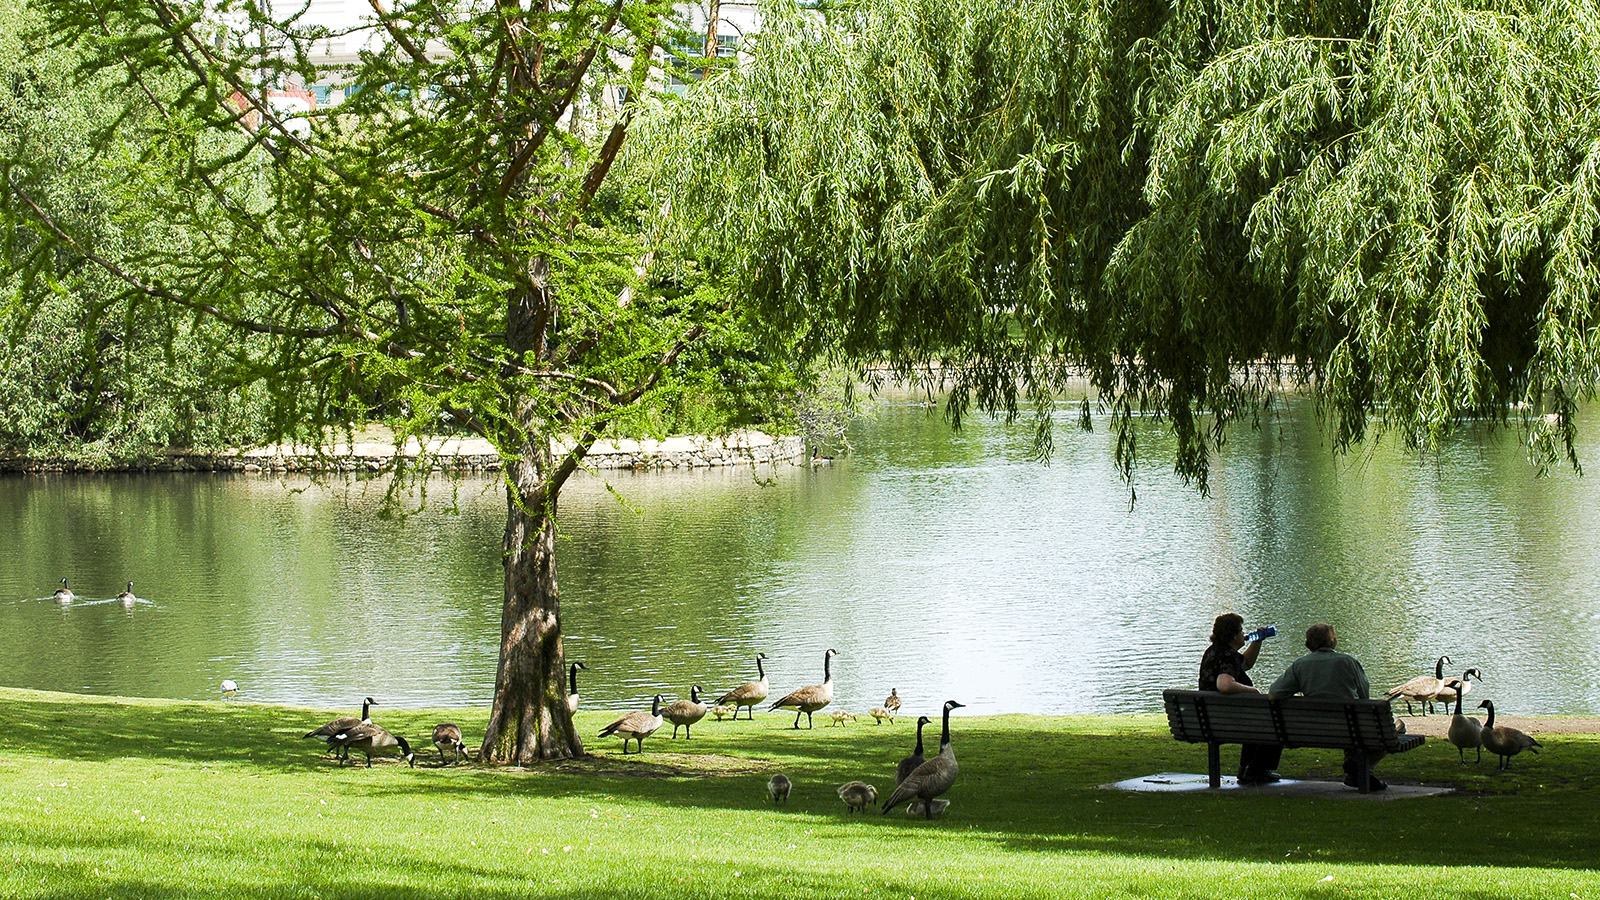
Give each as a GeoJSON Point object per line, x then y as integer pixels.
{"type": "Point", "coordinates": [778, 788]}
{"type": "Point", "coordinates": [857, 795]}
{"type": "Point", "coordinates": [878, 713]}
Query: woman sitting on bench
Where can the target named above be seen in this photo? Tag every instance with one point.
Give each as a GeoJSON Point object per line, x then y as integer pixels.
{"type": "Point", "coordinates": [1224, 668]}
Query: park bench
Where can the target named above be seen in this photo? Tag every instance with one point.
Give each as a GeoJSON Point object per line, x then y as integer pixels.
{"type": "Point", "coordinates": [1212, 718]}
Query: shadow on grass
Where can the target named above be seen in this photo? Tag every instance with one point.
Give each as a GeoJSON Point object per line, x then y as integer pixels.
{"type": "Point", "coordinates": [1027, 784]}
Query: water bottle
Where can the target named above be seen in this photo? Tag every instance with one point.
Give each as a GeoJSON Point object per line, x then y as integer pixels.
{"type": "Point", "coordinates": [1262, 633]}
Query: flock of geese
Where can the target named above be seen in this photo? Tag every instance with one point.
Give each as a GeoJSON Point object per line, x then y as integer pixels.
{"type": "Point", "coordinates": [1465, 732]}
{"type": "Point", "coordinates": [919, 781]}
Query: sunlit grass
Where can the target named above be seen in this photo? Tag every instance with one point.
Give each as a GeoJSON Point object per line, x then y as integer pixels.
{"type": "Point", "coordinates": [110, 798]}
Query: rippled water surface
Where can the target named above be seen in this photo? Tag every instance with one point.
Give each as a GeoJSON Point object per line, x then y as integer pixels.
{"type": "Point", "coordinates": [942, 564]}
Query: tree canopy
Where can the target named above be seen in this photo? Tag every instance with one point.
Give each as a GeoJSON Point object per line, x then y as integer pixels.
{"type": "Point", "coordinates": [1191, 203]}
{"type": "Point", "coordinates": [446, 248]}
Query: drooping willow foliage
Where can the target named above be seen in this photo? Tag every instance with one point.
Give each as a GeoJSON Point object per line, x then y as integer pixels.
{"type": "Point", "coordinates": [1192, 202]}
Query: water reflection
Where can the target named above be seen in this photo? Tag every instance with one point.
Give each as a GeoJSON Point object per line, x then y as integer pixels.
{"type": "Point", "coordinates": [944, 565]}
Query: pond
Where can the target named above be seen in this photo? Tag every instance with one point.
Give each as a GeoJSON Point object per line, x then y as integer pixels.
{"type": "Point", "coordinates": [944, 565]}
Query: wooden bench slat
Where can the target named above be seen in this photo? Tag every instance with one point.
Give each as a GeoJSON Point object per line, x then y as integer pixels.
{"type": "Point", "coordinates": [1208, 716]}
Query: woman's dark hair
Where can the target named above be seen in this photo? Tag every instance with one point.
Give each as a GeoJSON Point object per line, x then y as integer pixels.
{"type": "Point", "coordinates": [1226, 627]}
{"type": "Point", "coordinates": [1319, 635]}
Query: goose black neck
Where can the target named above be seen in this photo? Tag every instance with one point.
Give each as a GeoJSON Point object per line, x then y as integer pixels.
{"type": "Point", "coordinates": [655, 706]}
{"type": "Point", "coordinates": [1438, 667]}
{"type": "Point", "coordinates": [572, 678]}
{"type": "Point", "coordinates": [827, 667]}
{"type": "Point", "coordinates": [694, 694]}
{"type": "Point", "coordinates": [1489, 705]}
{"type": "Point", "coordinates": [944, 738]}
{"type": "Point", "coordinates": [921, 722]}
{"type": "Point", "coordinates": [759, 670]}
{"type": "Point", "coordinates": [366, 709]}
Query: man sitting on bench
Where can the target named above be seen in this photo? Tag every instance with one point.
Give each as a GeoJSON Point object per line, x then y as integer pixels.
{"type": "Point", "coordinates": [1325, 672]}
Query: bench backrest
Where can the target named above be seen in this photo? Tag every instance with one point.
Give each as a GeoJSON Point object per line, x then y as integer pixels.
{"type": "Point", "coordinates": [1212, 717]}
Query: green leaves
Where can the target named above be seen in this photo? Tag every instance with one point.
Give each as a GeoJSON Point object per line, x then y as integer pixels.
{"type": "Point", "coordinates": [1391, 200]}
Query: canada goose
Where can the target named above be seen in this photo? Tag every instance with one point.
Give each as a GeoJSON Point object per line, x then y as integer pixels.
{"type": "Point", "coordinates": [910, 763]}
{"type": "Point", "coordinates": [931, 809]}
{"type": "Point", "coordinates": [1465, 732]}
{"type": "Point", "coordinates": [448, 735]}
{"type": "Point", "coordinates": [857, 795]}
{"type": "Point", "coordinates": [810, 699]}
{"type": "Point", "coordinates": [370, 739]}
{"type": "Point", "coordinates": [878, 714]}
{"type": "Point", "coordinates": [685, 712]}
{"type": "Point", "coordinates": [778, 788]}
{"type": "Point", "coordinates": [636, 725]}
{"type": "Point", "coordinates": [892, 702]}
{"type": "Point", "coordinates": [748, 695]}
{"type": "Point", "coordinates": [126, 597]}
{"type": "Point", "coordinates": [572, 681]}
{"type": "Point", "coordinates": [840, 717]}
{"type": "Point", "coordinates": [1423, 689]}
{"type": "Point", "coordinates": [1447, 695]}
{"type": "Point", "coordinates": [722, 711]}
{"type": "Point", "coordinates": [64, 594]}
{"type": "Point", "coordinates": [1503, 740]}
{"type": "Point", "coordinates": [229, 688]}
{"type": "Point", "coordinates": [933, 777]}
{"type": "Point", "coordinates": [327, 732]}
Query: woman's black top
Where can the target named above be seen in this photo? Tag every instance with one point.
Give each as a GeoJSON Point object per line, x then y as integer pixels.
{"type": "Point", "coordinates": [1220, 659]}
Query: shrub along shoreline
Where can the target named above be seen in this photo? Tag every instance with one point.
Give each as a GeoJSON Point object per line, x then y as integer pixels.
{"type": "Point", "coordinates": [150, 798]}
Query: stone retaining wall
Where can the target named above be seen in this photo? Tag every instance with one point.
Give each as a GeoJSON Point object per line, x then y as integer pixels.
{"type": "Point", "coordinates": [460, 455]}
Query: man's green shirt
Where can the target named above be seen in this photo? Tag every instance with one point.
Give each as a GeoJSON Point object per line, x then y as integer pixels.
{"type": "Point", "coordinates": [1323, 673]}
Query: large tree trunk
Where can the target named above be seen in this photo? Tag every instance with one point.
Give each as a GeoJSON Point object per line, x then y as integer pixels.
{"type": "Point", "coordinates": [530, 721]}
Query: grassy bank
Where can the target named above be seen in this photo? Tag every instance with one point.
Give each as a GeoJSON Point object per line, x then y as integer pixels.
{"type": "Point", "coordinates": [133, 798]}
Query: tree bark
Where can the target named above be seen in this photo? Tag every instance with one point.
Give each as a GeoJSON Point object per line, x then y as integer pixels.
{"type": "Point", "coordinates": [530, 721]}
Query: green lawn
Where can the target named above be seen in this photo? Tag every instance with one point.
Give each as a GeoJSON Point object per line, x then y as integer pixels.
{"type": "Point", "coordinates": [103, 797]}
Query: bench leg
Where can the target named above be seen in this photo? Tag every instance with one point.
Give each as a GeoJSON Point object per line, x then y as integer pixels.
{"type": "Point", "coordinates": [1214, 764]}
{"type": "Point", "coordinates": [1363, 773]}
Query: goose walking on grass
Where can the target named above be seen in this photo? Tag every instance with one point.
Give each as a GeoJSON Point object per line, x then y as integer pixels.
{"type": "Point", "coordinates": [64, 594]}
{"type": "Point", "coordinates": [370, 739]}
{"type": "Point", "coordinates": [748, 695]}
{"type": "Point", "coordinates": [572, 683]}
{"type": "Point", "coordinates": [328, 732]}
{"type": "Point", "coordinates": [910, 763]}
{"type": "Point", "coordinates": [1465, 731]}
{"type": "Point", "coordinates": [778, 787]}
{"type": "Point", "coordinates": [1424, 689]}
{"type": "Point", "coordinates": [933, 777]}
{"type": "Point", "coordinates": [685, 712]}
{"type": "Point", "coordinates": [636, 726]}
{"type": "Point", "coordinates": [1503, 740]}
{"type": "Point", "coordinates": [447, 736]}
{"type": "Point", "coordinates": [808, 700]}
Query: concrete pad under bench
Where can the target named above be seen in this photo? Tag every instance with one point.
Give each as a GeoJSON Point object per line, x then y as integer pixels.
{"type": "Point", "coordinates": [1182, 782]}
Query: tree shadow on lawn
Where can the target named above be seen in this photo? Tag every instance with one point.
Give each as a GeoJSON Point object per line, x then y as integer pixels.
{"type": "Point", "coordinates": [1029, 784]}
